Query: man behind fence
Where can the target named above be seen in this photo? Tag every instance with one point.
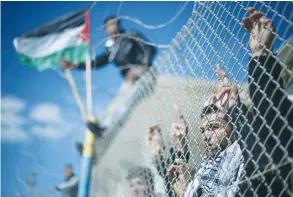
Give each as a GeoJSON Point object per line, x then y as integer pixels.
{"type": "Point", "coordinates": [129, 51]}
{"type": "Point", "coordinates": [222, 167]}
{"type": "Point", "coordinates": [272, 110]}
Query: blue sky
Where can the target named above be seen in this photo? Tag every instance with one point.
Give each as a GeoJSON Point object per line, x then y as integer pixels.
{"type": "Point", "coordinates": [40, 120]}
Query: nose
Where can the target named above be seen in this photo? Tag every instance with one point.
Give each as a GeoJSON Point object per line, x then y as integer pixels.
{"type": "Point", "coordinates": [207, 136]}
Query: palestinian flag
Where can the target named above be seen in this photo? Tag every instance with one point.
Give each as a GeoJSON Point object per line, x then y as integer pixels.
{"type": "Point", "coordinates": [66, 37]}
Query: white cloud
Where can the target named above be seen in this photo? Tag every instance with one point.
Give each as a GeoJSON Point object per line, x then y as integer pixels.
{"type": "Point", "coordinates": [13, 135]}
{"type": "Point", "coordinates": [46, 112]}
{"type": "Point", "coordinates": [12, 120]}
{"type": "Point", "coordinates": [52, 131]}
{"type": "Point", "coordinates": [11, 103]}
{"type": "Point", "coordinates": [51, 124]}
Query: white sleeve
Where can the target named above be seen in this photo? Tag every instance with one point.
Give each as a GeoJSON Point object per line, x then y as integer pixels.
{"type": "Point", "coordinates": [68, 184]}
{"type": "Point", "coordinates": [234, 185]}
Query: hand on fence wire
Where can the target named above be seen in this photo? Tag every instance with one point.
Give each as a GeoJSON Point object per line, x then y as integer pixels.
{"type": "Point", "coordinates": [134, 73]}
{"type": "Point", "coordinates": [66, 64]}
{"type": "Point", "coordinates": [227, 94]}
{"type": "Point", "coordinates": [262, 32]}
{"type": "Point", "coordinates": [154, 140]}
{"type": "Point", "coordinates": [180, 130]}
{"type": "Point", "coordinates": [179, 176]}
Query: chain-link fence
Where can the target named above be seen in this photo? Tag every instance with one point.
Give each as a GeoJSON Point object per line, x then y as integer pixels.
{"type": "Point", "coordinates": [230, 130]}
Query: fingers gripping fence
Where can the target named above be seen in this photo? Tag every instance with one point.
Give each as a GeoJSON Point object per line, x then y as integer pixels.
{"type": "Point", "coordinates": [234, 133]}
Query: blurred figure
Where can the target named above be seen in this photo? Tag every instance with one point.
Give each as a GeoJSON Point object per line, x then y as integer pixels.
{"type": "Point", "coordinates": [141, 182]}
{"type": "Point", "coordinates": [129, 51]}
{"type": "Point", "coordinates": [69, 188]}
{"type": "Point", "coordinates": [273, 111]}
{"type": "Point", "coordinates": [162, 158]}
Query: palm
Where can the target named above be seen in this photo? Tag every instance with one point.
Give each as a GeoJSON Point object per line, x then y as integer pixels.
{"type": "Point", "coordinates": [261, 31]}
{"type": "Point", "coordinates": [154, 140]}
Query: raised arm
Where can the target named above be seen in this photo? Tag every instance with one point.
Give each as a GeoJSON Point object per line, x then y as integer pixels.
{"type": "Point", "coordinates": [180, 130]}
{"type": "Point", "coordinates": [100, 61]}
{"type": "Point", "coordinates": [160, 160]}
{"type": "Point", "coordinates": [73, 182]}
{"type": "Point", "coordinates": [272, 107]}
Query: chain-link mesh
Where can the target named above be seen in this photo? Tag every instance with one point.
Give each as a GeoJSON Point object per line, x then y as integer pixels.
{"type": "Point", "coordinates": [238, 142]}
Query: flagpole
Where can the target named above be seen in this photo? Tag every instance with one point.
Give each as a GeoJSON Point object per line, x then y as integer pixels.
{"type": "Point", "coordinates": [89, 142]}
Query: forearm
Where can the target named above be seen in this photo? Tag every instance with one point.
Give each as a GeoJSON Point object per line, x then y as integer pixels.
{"type": "Point", "coordinates": [162, 163]}
{"type": "Point", "coordinates": [266, 87]}
{"type": "Point", "coordinates": [99, 62]}
{"type": "Point", "coordinates": [264, 72]}
{"type": "Point", "coordinates": [182, 146]}
{"type": "Point", "coordinates": [72, 182]}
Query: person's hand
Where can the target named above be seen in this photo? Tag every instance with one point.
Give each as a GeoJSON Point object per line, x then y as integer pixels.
{"type": "Point", "coordinates": [154, 140]}
{"type": "Point", "coordinates": [134, 73]}
{"type": "Point", "coordinates": [178, 175]}
{"type": "Point", "coordinates": [140, 70]}
{"type": "Point", "coordinates": [227, 94]}
{"type": "Point", "coordinates": [131, 76]}
{"type": "Point", "coordinates": [65, 64]}
{"type": "Point", "coordinates": [262, 32]}
{"type": "Point", "coordinates": [179, 129]}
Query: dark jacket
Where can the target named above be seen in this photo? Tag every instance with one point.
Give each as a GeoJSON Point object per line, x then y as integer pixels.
{"type": "Point", "coordinates": [264, 137]}
{"type": "Point", "coordinates": [273, 111]}
{"type": "Point", "coordinates": [128, 50]}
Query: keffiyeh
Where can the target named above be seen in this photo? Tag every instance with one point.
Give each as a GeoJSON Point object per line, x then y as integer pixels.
{"type": "Point", "coordinates": [218, 176]}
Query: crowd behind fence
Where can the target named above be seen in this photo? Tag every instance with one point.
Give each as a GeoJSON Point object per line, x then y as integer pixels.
{"type": "Point", "coordinates": [218, 120]}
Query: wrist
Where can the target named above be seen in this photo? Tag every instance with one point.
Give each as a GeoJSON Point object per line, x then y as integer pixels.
{"type": "Point", "coordinates": [73, 65]}
{"type": "Point", "coordinates": [262, 52]}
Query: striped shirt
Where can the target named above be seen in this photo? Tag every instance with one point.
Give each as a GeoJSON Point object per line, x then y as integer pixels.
{"type": "Point", "coordinates": [218, 176]}
{"type": "Point", "coordinates": [69, 188]}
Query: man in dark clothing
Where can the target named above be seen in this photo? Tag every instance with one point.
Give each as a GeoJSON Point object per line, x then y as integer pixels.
{"type": "Point", "coordinates": [273, 111]}
{"type": "Point", "coordinates": [134, 57]}
{"type": "Point", "coordinates": [128, 50]}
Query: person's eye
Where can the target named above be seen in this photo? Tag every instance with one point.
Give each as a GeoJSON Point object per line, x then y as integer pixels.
{"type": "Point", "coordinates": [214, 127]}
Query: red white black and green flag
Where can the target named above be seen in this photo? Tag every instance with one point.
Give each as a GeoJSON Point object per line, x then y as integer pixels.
{"type": "Point", "coordinates": [66, 37]}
